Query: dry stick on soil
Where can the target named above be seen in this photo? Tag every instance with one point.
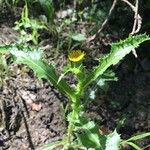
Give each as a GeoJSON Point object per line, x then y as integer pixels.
{"type": "Point", "coordinates": [104, 23]}
{"type": "Point", "coordinates": [4, 116]}
{"type": "Point", "coordinates": [29, 138]}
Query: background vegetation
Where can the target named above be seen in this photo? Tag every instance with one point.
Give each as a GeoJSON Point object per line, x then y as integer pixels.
{"type": "Point", "coordinates": [45, 35]}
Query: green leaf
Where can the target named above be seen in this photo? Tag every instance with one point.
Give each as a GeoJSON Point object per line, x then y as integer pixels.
{"type": "Point", "coordinates": [78, 37]}
{"type": "Point", "coordinates": [135, 138]}
{"type": "Point", "coordinates": [48, 8]}
{"type": "Point", "coordinates": [42, 69]}
{"type": "Point", "coordinates": [102, 81]}
{"type": "Point", "coordinates": [118, 51]}
{"type": "Point", "coordinates": [90, 136]}
{"type": "Point", "coordinates": [36, 24]}
{"type": "Point", "coordinates": [138, 137]}
{"type": "Point", "coordinates": [33, 59]}
{"type": "Point", "coordinates": [51, 146]}
{"type": "Point", "coordinates": [113, 141]}
{"type": "Point", "coordinates": [134, 145]}
{"type": "Point", "coordinates": [5, 48]}
{"type": "Point", "coordinates": [61, 76]}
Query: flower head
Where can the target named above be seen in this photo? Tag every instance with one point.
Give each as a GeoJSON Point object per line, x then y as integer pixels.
{"type": "Point", "coordinates": [76, 55]}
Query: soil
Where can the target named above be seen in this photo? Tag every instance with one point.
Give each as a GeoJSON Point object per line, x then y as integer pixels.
{"type": "Point", "coordinates": [31, 112]}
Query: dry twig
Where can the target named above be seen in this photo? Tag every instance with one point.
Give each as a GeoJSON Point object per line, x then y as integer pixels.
{"type": "Point", "coordinates": [137, 18]}
{"type": "Point", "coordinates": [104, 23]}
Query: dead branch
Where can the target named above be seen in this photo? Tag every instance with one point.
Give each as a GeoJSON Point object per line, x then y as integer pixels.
{"type": "Point", "coordinates": [137, 18]}
{"type": "Point", "coordinates": [104, 23]}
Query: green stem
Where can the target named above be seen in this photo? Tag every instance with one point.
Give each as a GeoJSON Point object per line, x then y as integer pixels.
{"type": "Point", "coordinates": [76, 109]}
{"type": "Point", "coordinates": [71, 127]}
{"type": "Point", "coordinates": [70, 132]}
{"type": "Point", "coordinates": [74, 116]}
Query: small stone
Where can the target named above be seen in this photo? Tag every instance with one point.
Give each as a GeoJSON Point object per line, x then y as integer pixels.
{"type": "Point", "coordinates": [36, 107]}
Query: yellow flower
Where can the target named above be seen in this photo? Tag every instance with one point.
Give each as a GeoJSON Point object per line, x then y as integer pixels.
{"type": "Point", "coordinates": [76, 55]}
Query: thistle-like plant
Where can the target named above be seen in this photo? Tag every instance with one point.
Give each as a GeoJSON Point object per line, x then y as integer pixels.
{"type": "Point", "coordinates": [82, 133]}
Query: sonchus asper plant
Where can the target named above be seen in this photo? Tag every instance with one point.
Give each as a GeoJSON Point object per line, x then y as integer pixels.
{"type": "Point", "coordinates": [82, 133]}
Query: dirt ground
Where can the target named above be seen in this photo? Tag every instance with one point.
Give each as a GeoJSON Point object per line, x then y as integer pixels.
{"type": "Point", "coordinates": [31, 112]}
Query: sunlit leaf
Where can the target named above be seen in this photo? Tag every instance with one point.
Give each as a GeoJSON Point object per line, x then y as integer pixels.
{"type": "Point", "coordinates": [51, 146]}
{"type": "Point", "coordinates": [136, 147]}
{"type": "Point", "coordinates": [138, 137]}
{"type": "Point", "coordinates": [118, 51]}
{"type": "Point", "coordinates": [90, 136]}
{"type": "Point", "coordinates": [33, 59]}
{"type": "Point", "coordinates": [78, 37]}
{"type": "Point", "coordinates": [113, 141]}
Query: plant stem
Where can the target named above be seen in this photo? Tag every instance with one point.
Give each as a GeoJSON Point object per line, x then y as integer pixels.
{"type": "Point", "coordinates": [71, 126]}
{"type": "Point", "coordinates": [70, 130]}
{"type": "Point", "coordinates": [73, 117]}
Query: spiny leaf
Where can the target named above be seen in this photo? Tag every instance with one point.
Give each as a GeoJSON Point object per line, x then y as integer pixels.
{"type": "Point", "coordinates": [118, 51]}
{"type": "Point", "coordinates": [113, 141]}
{"type": "Point", "coordinates": [5, 48]}
{"type": "Point", "coordinates": [90, 136]}
{"type": "Point", "coordinates": [124, 47]}
{"type": "Point", "coordinates": [33, 59]}
{"type": "Point", "coordinates": [42, 69]}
